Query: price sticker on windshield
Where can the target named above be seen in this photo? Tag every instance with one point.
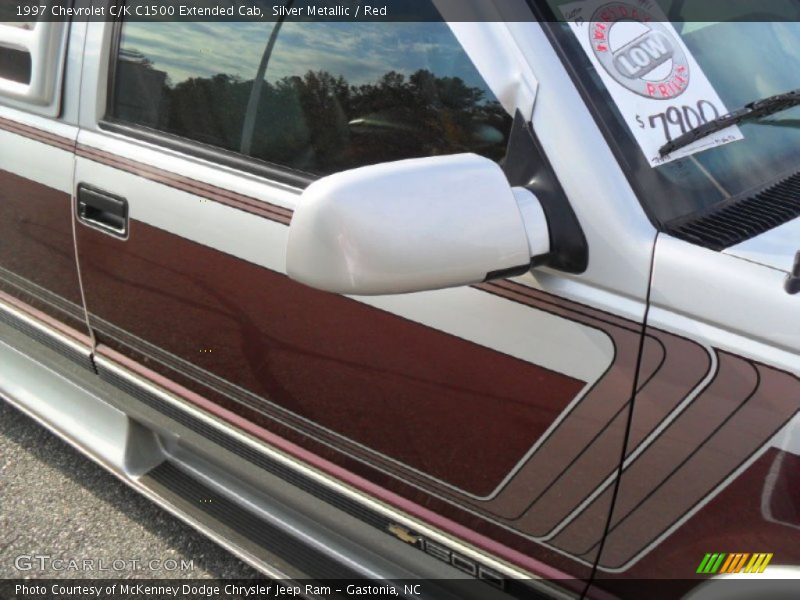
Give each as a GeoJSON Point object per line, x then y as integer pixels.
{"type": "Point", "coordinates": [652, 77]}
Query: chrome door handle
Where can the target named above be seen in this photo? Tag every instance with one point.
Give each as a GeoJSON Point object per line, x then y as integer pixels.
{"type": "Point", "coordinates": [103, 211]}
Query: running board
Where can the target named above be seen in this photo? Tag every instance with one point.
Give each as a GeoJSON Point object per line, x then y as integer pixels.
{"type": "Point", "coordinates": [243, 528]}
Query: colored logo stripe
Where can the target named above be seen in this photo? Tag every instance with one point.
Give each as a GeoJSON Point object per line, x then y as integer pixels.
{"type": "Point", "coordinates": [734, 563]}
{"type": "Point", "coordinates": [758, 563]}
{"type": "Point", "coordinates": [720, 562]}
{"type": "Point", "coordinates": [711, 562]}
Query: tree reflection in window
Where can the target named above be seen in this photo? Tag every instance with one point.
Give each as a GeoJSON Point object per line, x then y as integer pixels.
{"type": "Point", "coordinates": [318, 121]}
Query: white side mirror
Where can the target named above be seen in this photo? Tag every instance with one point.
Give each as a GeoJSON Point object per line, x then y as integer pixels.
{"type": "Point", "coordinates": [413, 225]}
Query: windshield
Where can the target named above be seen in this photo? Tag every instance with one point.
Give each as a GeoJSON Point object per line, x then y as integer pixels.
{"type": "Point", "coordinates": [741, 61]}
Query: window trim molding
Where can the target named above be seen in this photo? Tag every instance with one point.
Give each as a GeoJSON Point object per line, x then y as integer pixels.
{"type": "Point", "coordinates": [227, 158]}
{"type": "Point", "coordinates": [213, 154]}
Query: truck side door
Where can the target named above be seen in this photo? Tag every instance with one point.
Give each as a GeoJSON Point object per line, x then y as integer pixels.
{"type": "Point", "coordinates": [491, 411]}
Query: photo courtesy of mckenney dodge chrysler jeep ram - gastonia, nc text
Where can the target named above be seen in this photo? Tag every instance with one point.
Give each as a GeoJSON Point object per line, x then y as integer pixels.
{"type": "Point", "coordinates": [495, 296]}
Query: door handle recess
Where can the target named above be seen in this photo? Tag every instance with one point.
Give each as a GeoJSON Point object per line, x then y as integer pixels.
{"type": "Point", "coordinates": [103, 211]}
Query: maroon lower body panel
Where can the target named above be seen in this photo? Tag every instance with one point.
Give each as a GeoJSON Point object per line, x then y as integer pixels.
{"type": "Point", "coordinates": [37, 256]}
{"type": "Point", "coordinates": [451, 409]}
{"type": "Point", "coordinates": [713, 438]}
{"type": "Point", "coordinates": [444, 428]}
{"type": "Point", "coordinates": [759, 511]}
{"type": "Point", "coordinates": [435, 418]}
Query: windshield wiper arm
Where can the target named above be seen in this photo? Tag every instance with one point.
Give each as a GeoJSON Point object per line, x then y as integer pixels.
{"type": "Point", "coordinates": [753, 110]}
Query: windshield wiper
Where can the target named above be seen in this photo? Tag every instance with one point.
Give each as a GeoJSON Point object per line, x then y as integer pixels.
{"type": "Point", "coordinates": [753, 110]}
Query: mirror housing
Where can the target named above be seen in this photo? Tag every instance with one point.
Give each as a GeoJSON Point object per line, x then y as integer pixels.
{"type": "Point", "coordinates": [414, 225]}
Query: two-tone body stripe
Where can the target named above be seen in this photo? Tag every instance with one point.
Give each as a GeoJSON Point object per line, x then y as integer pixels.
{"type": "Point", "coordinates": [572, 461]}
{"type": "Point", "coordinates": [722, 431]}
{"type": "Point", "coordinates": [668, 359]}
{"type": "Point", "coordinates": [254, 206]}
{"type": "Point", "coordinates": [38, 135]}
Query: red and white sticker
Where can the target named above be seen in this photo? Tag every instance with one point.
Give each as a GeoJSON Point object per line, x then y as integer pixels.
{"type": "Point", "coordinates": [652, 77]}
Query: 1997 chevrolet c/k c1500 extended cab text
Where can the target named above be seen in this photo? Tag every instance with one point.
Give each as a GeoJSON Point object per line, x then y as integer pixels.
{"type": "Point", "coordinates": [510, 298]}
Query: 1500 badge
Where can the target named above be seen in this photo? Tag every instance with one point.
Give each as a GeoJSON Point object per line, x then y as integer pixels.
{"type": "Point", "coordinates": [445, 554]}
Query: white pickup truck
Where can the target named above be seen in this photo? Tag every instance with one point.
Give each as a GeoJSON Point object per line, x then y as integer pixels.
{"type": "Point", "coordinates": [511, 297]}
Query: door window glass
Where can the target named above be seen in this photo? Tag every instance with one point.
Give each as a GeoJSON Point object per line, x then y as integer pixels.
{"type": "Point", "coordinates": [316, 97]}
